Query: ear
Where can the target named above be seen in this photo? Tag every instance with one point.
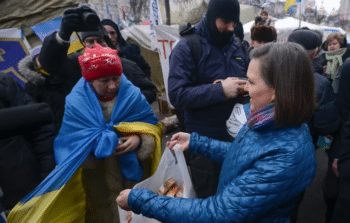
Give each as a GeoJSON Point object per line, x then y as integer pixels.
{"type": "Point", "coordinates": [273, 95]}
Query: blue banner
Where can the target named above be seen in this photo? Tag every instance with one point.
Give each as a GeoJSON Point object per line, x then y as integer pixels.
{"type": "Point", "coordinates": [46, 28]}
{"type": "Point", "coordinates": [12, 50]}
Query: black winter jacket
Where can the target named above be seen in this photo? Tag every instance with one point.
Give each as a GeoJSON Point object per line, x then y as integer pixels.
{"type": "Point", "coordinates": [54, 60]}
{"type": "Point", "coordinates": [25, 158]}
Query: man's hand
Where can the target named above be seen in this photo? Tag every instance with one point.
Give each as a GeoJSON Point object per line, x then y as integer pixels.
{"type": "Point", "coordinates": [232, 86]}
{"type": "Point", "coordinates": [130, 144]}
{"type": "Point", "coordinates": [70, 23]}
{"type": "Point", "coordinates": [335, 167]}
{"type": "Point", "coordinates": [122, 200]}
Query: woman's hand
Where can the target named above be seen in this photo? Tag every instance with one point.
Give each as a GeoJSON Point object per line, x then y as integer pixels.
{"type": "Point", "coordinates": [181, 138]}
{"type": "Point", "coordinates": [122, 200]}
{"type": "Point", "coordinates": [130, 144]}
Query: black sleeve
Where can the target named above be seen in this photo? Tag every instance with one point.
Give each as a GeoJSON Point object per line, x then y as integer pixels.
{"type": "Point", "coordinates": [134, 74]}
{"type": "Point", "coordinates": [132, 52]}
{"type": "Point", "coordinates": [326, 116]}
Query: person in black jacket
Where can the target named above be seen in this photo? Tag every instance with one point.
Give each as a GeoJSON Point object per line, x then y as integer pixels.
{"type": "Point", "coordinates": [325, 120]}
{"type": "Point", "coordinates": [26, 142]}
{"type": "Point", "coordinates": [65, 68]}
{"type": "Point", "coordinates": [340, 151]}
{"type": "Point", "coordinates": [130, 51]}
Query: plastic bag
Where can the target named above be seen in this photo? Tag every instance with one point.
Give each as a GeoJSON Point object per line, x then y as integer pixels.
{"type": "Point", "coordinates": [172, 164]}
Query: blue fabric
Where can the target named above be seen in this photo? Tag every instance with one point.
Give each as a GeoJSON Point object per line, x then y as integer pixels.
{"type": "Point", "coordinates": [85, 131]}
{"type": "Point", "coordinates": [262, 175]}
{"type": "Point", "coordinates": [205, 106]}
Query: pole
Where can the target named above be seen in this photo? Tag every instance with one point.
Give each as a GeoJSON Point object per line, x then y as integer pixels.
{"type": "Point", "coordinates": [300, 14]}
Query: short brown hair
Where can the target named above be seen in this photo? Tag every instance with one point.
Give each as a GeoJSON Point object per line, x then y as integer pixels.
{"type": "Point", "coordinates": [263, 33]}
{"type": "Point", "coordinates": [337, 36]}
{"type": "Point", "coordinates": [287, 68]}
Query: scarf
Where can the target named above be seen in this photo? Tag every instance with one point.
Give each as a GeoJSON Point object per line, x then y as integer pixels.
{"type": "Point", "coordinates": [261, 117]}
{"type": "Point", "coordinates": [334, 61]}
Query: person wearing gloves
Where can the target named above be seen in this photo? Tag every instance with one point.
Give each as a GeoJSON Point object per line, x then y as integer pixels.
{"type": "Point", "coordinates": [270, 163]}
{"type": "Point", "coordinates": [108, 135]}
{"type": "Point", "coordinates": [130, 51]}
{"type": "Point", "coordinates": [65, 68]}
{"type": "Point", "coordinates": [207, 92]}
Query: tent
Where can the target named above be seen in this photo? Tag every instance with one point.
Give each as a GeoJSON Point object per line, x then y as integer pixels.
{"type": "Point", "coordinates": [285, 26]}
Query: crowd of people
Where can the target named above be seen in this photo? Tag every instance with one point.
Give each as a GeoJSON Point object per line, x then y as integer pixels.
{"type": "Point", "coordinates": [81, 133]}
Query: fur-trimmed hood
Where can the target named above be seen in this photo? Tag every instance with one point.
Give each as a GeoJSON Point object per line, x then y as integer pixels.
{"type": "Point", "coordinates": [26, 69]}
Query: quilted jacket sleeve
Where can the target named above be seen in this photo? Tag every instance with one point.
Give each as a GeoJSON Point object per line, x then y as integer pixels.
{"type": "Point", "coordinates": [214, 149]}
{"type": "Point", "coordinates": [272, 180]}
{"type": "Point", "coordinates": [183, 91]}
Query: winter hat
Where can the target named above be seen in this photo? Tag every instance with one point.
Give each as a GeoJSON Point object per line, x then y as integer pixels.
{"type": "Point", "coordinates": [225, 9]}
{"type": "Point", "coordinates": [307, 38]}
{"type": "Point", "coordinates": [98, 33]}
{"type": "Point", "coordinates": [120, 39]}
{"type": "Point", "coordinates": [99, 62]}
{"type": "Point", "coordinates": [263, 33]}
{"type": "Point", "coordinates": [35, 52]}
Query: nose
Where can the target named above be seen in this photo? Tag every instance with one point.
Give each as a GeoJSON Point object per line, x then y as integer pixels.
{"type": "Point", "coordinates": [246, 88]}
{"type": "Point", "coordinates": [111, 85]}
{"type": "Point", "coordinates": [231, 26]}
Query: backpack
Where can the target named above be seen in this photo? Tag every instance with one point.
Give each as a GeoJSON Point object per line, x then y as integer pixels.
{"type": "Point", "coordinates": [186, 30]}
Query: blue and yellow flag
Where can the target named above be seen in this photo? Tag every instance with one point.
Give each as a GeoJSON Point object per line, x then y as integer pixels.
{"type": "Point", "coordinates": [288, 5]}
{"type": "Point", "coordinates": [61, 196]}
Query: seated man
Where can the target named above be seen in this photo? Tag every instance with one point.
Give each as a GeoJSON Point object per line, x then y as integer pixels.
{"type": "Point", "coordinates": [108, 130]}
{"type": "Point", "coordinates": [65, 68]}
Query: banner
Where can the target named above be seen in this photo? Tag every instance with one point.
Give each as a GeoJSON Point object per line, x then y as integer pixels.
{"type": "Point", "coordinates": [12, 50]}
{"type": "Point", "coordinates": [155, 20]}
{"type": "Point", "coordinates": [46, 28]}
{"type": "Point", "coordinates": [166, 39]}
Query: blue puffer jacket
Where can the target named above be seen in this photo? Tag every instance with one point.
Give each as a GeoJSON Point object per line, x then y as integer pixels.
{"type": "Point", "coordinates": [264, 171]}
{"type": "Point", "coordinates": [206, 107]}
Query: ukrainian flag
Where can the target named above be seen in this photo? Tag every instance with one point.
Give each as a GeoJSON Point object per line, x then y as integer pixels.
{"type": "Point", "coordinates": [288, 5]}
{"type": "Point", "coordinates": [61, 196]}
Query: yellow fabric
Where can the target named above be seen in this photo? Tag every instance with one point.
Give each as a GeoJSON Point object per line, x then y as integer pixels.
{"type": "Point", "coordinates": [138, 128]}
{"type": "Point", "coordinates": [288, 4]}
{"type": "Point", "coordinates": [41, 70]}
{"type": "Point", "coordinates": [67, 204]}
{"type": "Point", "coordinates": [75, 44]}
{"type": "Point", "coordinates": [64, 205]}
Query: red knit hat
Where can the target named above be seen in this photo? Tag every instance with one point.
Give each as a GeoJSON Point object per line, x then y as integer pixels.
{"type": "Point", "coordinates": [99, 62]}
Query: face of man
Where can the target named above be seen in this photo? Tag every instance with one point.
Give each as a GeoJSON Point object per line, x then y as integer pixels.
{"type": "Point", "coordinates": [92, 40]}
{"type": "Point", "coordinates": [107, 86]}
{"type": "Point", "coordinates": [112, 34]}
{"type": "Point", "coordinates": [224, 25]}
{"type": "Point", "coordinates": [263, 17]}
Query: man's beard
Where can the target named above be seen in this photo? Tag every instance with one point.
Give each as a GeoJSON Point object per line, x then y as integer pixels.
{"type": "Point", "coordinates": [222, 39]}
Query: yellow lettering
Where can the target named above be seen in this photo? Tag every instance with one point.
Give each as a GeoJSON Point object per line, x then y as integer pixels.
{"type": "Point", "coordinates": [2, 51]}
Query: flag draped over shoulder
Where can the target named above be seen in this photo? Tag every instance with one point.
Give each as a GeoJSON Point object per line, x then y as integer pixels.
{"type": "Point", "coordinates": [61, 197]}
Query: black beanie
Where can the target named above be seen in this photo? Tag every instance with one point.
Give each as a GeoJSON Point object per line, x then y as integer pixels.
{"type": "Point", "coordinates": [226, 9]}
{"type": "Point", "coordinates": [307, 38]}
{"type": "Point", "coordinates": [84, 35]}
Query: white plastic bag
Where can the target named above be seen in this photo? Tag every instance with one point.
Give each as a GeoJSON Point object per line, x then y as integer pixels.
{"type": "Point", "coordinates": [236, 121]}
{"type": "Point", "coordinates": [172, 164]}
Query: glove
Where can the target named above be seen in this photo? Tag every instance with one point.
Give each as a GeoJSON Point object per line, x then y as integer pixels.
{"type": "Point", "coordinates": [70, 22]}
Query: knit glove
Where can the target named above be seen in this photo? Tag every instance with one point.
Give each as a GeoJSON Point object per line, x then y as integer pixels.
{"type": "Point", "coordinates": [70, 23]}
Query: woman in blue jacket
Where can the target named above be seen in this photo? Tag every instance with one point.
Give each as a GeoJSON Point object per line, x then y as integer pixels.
{"type": "Point", "coordinates": [270, 163]}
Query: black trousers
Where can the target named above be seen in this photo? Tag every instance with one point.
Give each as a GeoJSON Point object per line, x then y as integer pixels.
{"type": "Point", "coordinates": [204, 174]}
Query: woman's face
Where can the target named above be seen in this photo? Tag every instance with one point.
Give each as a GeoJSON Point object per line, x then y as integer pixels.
{"type": "Point", "coordinates": [112, 34]}
{"type": "Point", "coordinates": [333, 44]}
{"type": "Point", "coordinates": [107, 86]}
{"type": "Point", "coordinates": [260, 94]}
